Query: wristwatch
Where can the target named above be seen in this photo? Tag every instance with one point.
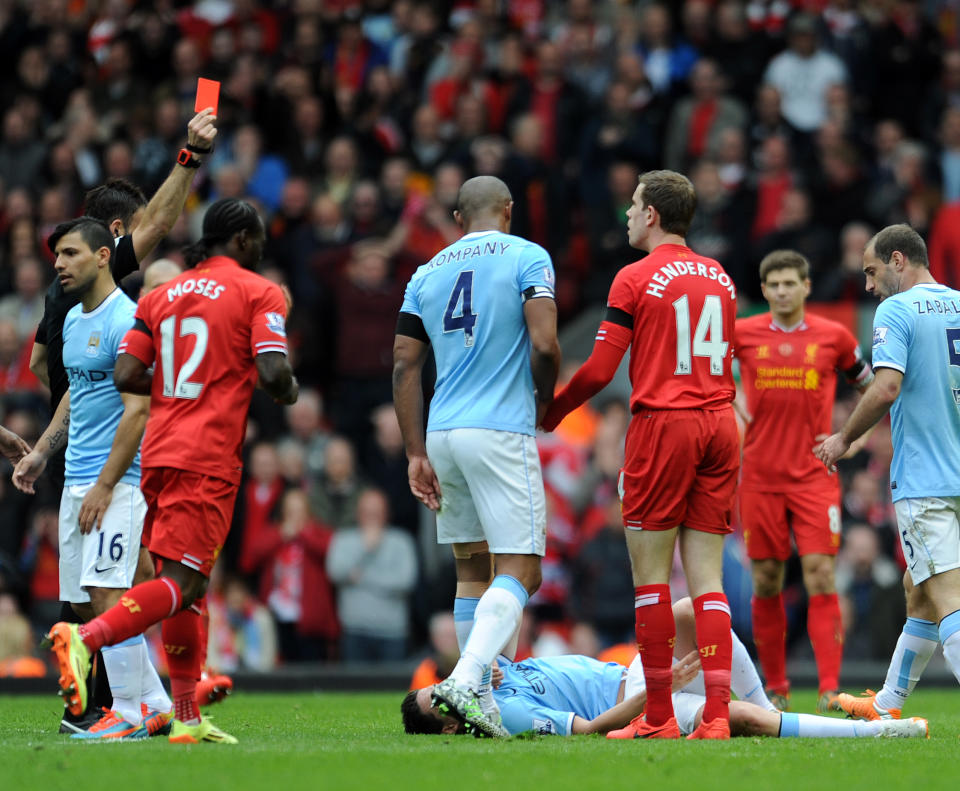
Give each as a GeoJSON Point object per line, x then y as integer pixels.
{"type": "Point", "coordinates": [187, 159]}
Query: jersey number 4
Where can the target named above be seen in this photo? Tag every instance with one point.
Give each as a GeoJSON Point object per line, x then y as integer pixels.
{"type": "Point", "coordinates": [462, 296]}
{"type": "Point", "coordinates": [177, 384]}
{"type": "Point", "coordinates": [707, 338]}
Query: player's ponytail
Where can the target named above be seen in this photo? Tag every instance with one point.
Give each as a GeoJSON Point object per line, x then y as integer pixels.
{"type": "Point", "coordinates": [224, 219]}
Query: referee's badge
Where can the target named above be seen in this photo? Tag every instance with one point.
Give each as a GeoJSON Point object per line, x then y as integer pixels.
{"type": "Point", "coordinates": [93, 345]}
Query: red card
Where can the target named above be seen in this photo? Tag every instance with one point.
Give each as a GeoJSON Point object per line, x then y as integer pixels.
{"type": "Point", "coordinates": [208, 94]}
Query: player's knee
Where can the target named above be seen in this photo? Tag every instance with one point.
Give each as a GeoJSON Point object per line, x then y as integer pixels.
{"type": "Point", "coordinates": [767, 580]}
{"type": "Point", "coordinates": [192, 583]}
{"type": "Point", "coordinates": [818, 575]}
{"type": "Point", "coordinates": [683, 611]}
{"type": "Point", "coordinates": [746, 721]}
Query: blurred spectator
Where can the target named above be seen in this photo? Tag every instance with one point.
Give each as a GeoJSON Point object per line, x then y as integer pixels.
{"type": "Point", "coordinates": [797, 230]}
{"type": "Point", "coordinates": [803, 73]}
{"type": "Point", "coordinates": [242, 635]}
{"type": "Point", "coordinates": [374, 567]}
{"type": "Point", "coordinates": [444, 652]}
{"type": "Point", "coordinates": [292, 555]}
{"type": "Point", "coordinates": [16, 643]}
{"type": "Point", "coordinates": [367, 301]}
{"type": "Point", "coordinates": [15, 373]}
{"type": "Point", "coordinates": [844, 281]}
{"type": "Point", "coordinates": [871, 595]}
{"type": "Point", "coordinates": [698, 120]}
{"type": "Point", "coordinates": [385, 463]}
{"type": "Point", "coordinates": [949, 160]}
{"type": "Point", "coordinates": [603, 581]}
{"type": "Point", "coordinates": [24, 307]}
{"type": "Point", "coordinates": [40, 563]}
{"type": "Point", "coordinates": [259, 494]}
{"type": "Point", "coordinates": [666, 60]}
{"type": "Point", "coordinates": [21, 154]}
{"type": "Point", "coordinates": [334, 494]}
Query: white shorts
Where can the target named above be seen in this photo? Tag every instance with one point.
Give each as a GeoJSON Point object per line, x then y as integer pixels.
{"type": "Point", "coordinates": [104, 558]}
{"type": "Point", "coordinates": [929, 530]}
{"type": "Point", "coordinates": [492, 490]}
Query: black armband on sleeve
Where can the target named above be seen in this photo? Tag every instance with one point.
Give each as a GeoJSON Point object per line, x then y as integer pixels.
{"type": "Point", "coordinates": [411, 325]}
{"type": "Point", "coordinates": [140, 324]}
{"type": "Point", "coordinates": [533, 292]}
{"type": "Point", "coordinates": [859, 370]}
{"type": "Point", "coordinates": [620, 317]}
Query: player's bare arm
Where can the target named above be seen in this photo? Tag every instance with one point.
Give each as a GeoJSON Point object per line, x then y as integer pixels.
{"type": "Point", "coordinates": [31, 466]}
{"type": "Point", "coordinates": [130, 375]}
{"type": "Point", "coordinates": [136, 409]}
{"type": "Point", "coordinates": [166, 205]}
{"type": "Point", "coordinates": [12, 446]}
{"type": "Point", "coordinates": [876, 402]}
{"type": "Point", "coordinates": [38, 363]}
{"type": "Point", "coordinates": [409, 355]}
{"type": "Point", "coordinates": [276, 377]}
{"type": "Point", "coordinates": [540, 315]}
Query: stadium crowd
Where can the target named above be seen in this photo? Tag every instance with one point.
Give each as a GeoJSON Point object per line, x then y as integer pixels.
{"type": "Point", "coordinates": [352, 125]}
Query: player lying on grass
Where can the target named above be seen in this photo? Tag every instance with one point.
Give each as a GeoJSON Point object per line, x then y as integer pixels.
{"type": "Point", "coordinates": [576, 694]}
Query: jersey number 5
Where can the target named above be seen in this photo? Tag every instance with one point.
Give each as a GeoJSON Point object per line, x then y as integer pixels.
{"type": "Point", "coordinates": [461, 295]}
{"type": "Point", "coordinates": [710, 324]}
{"type": "Point", "coordinates": [177, 384]}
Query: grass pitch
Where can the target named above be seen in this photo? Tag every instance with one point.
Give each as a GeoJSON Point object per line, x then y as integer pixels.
{"type": "Point", "coordinates": [347, 741]}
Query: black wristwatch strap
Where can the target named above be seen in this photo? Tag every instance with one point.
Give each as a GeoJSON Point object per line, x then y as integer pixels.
{"type": "Point", "coordinates": [197, 150]}
{"type": "Point", "coordinates": [187, 160]}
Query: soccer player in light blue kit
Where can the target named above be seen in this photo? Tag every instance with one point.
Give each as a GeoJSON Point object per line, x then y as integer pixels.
{"type": "Point", "coordinates": [916, 356]}
{"type": "Point", "coordinates": [568, 695]}
{"type": "Point", "coordinates": [485, 305]}
{"type": "Point", "coordinates": [102, 508]}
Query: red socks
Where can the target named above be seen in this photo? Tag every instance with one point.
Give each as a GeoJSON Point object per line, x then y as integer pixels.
{"type": "Point", "coordinates": [656, 633]}
{"type": "Point", "coordinates": [769, 636]}
{"type": "Point", "coordinates": [712, 614]}
{"type": "Point", "coordinates": [826, 635]}
{"type": "Point", "coordinates": [138, 608]}
{"type": "Point", "coordinates": [181, 643]}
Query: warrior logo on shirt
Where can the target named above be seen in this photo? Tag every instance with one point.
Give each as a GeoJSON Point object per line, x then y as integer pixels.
{"type": "Point", "coordinates": [276, 323]}
{"type": "Point", "coordinates": [93, 345]}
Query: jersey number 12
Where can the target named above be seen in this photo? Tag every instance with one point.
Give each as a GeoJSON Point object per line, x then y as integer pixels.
{"type": "Point", "coordinates": [177, 384]}
{"type": "Point", "coordinates": [710, 324]}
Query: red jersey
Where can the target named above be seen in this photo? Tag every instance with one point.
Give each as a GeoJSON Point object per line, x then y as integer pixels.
{"type": "Point", "coordinates": [681, 308]}
{"type": "Point", "coordinates": [206, 326]}
{"type": "Point", "coordinates": [790, 378]}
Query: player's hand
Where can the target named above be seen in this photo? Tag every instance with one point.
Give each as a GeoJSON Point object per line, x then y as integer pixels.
{"type": "Point", "coordinates": [686, 670]}
{"type": "Point", "coordinates": [12, 446]}
{"type": "Point", "coordinates": [496, 675]}
{"type": "Point", "coordinates": [424, 482]}
{"type": "Point", "coordinates": [551, 417]}
{"type": "Point", "coordinates": [201, 130]}
{"type": "Point", "coordinates": [542, 409]}
{"type": "Point", "coordinates": [94, 506]}
{"type": "Point", "coordinates": [28, 469]}
{"type": "Point", "coordinates": [831, 449]}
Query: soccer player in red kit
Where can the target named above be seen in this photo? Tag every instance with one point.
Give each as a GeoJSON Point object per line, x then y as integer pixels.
{"type": "Point", "coordinates": [675, 310]}
{"type": "Point", "coordinates": [210, 335]}
{"type": "Point", "coordinates": [789, 360]}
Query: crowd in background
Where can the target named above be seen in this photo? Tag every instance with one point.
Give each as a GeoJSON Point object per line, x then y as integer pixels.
{"type": "Point", "coordinates": [351, 125]}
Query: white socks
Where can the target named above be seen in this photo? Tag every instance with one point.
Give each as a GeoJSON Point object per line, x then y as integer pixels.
{"type": "Point", "coordinates": [496, 618]}
{"type": "Point", "coordinates": [915, 646]}
{"type": "Point", "coordinates": [950, 637]}
{"type": "Point", "coordinates": [152, 691]}
{"type": "Point", "coordinates": [744, 679]}
{"type": "Point", "coordinates": [122, 662]}
{"type": "Point", "coordinates": [464, 609]}
{"type": "Point", "coordinates": [811, 725]}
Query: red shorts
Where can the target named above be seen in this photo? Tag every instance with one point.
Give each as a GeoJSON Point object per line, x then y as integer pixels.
{"type": "Point", "coordinates": [811, 514]}
{"type": "Point", "coordinates": [681, 469]}
{"type": "Point", "coordinates": [188, 515]}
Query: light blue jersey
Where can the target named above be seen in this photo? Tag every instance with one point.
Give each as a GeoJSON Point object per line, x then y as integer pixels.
{"type": "Point", "coordinates": [544, 695]}
{"type": "Point", "coordinates": [90, 343]}
{"type": "Point", "coordinates": [917, 332]}
{"type": "Point", "coordinates": [470, 299]}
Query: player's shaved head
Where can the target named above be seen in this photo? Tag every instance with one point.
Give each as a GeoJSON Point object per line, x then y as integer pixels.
{"type": "Point", "coordinates": [158, 273]}
{"type": "Point", "coordinates": [482, 195]}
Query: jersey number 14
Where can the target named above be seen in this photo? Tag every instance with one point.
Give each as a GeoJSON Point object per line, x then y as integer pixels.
{"type": "Point", "coordinates": [177, 384]}
{"type": "Point", "coordinates": [707, 338]}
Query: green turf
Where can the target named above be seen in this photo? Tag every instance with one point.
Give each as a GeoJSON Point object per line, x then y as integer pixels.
{"type": "Point", "coordinates": [345, 741]}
